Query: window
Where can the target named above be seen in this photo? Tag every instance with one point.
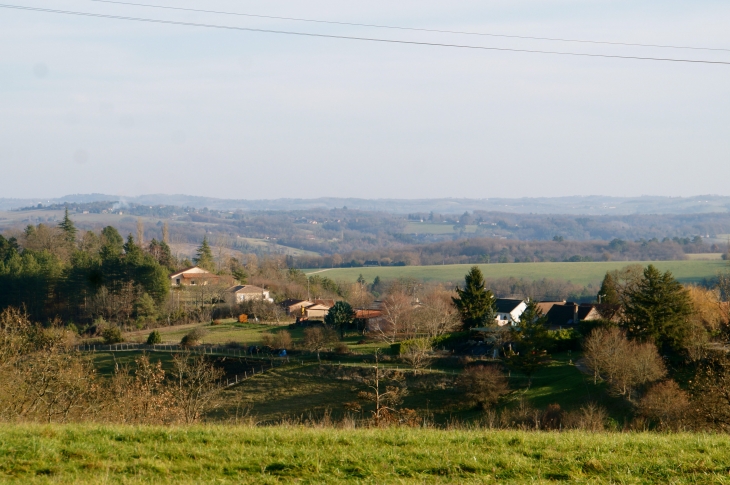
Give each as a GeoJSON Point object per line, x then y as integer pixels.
{"type": "Point", "coordinates": [178, 282]}
{"type": "Point", "coordinates": [192, 282]}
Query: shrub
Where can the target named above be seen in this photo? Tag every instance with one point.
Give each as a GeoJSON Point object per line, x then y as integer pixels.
{"type": "Point", "coordinates": [112, 334]}
{"type": "Point", "coordinates": [665, 405]}
{"type": "Point", "coordinates": [590, 417]}
{"type": "Point", "coordinates": [342, 348]}
{"type": "Point", "coordinates": [193, 337]}
{"type": "Point", "coordinates": [564, 339]}
{"type": "Point", "coordinates": [154, 338]}
{"type": "Point", "coordinates": [267, 339]}
{"type": "Point", "coordinates": [483, 385]}
{"type": "Point", "coordinates": [282, 340]}
{"type": "Point", "coordinates": [217, 321]}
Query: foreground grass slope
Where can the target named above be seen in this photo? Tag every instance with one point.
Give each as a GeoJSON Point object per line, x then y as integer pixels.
{"type": "Point", "coordinates": [688, 271]}
{"type": "Point", "coordinates": [239, 454]}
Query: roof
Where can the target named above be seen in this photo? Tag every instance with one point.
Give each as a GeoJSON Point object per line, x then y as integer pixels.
{"type": "Point", "coordinates": [365, 314]}
{"type": "Point", "coordinates": [291, 302]}
{"type": "Point", "coordinates": [200, 271]}
{"type": "Point", "coordinates": [329, 303]}
{"type": "Point", "coordinates": [317, 306]}
{"type": "Point", "coordinates": [507, 305]}
{"type": "Point", "coordinates": [246, 289]}
{"type": "Point", "coordinates": [545, 306]}
{"type": "Point", "coordinates": [561, 315]}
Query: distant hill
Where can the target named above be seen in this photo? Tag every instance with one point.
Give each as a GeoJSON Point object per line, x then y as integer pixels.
{"type": "Point", "coordinates": [578, 205]}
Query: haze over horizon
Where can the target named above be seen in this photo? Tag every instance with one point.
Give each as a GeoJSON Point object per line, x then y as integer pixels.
{"type": "Point", "coordinates": [94, 105]}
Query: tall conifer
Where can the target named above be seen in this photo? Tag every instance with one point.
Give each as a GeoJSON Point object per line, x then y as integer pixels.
{"type": "Point", "coordinates": [476, 304]}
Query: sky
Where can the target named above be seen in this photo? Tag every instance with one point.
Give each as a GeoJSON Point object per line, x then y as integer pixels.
{"type": "Point", "coordinates": [130, 108]}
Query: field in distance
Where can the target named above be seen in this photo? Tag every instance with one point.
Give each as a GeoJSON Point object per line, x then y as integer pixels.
{"type": "Point", "coordinates": [286, 454]}
{"type": "Point", "coordinates": [432, 228]}
{"type": "Point", "coordinates": [688, 271]}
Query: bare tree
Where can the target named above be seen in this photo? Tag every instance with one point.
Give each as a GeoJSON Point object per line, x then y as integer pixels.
{"type": "Point", "coordinates": [194, 384]}
{"type": "Point", "coordinates": [436, 315]}
{"type": "Point", "coordinates": [626, 365]}
{"type": "Point", "coordinates": [385, 388]}
{"type": "Point", "coordinates": [140, 232]}
{"type": "Point", "coordinates": [397, 317]}
{"type": "Point", "coordinates": [418, 353]}
{"type": "Point", "coordinates": [317, 339]}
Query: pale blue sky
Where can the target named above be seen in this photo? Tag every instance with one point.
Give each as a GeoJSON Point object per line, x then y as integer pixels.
{"type": "Point", "coordinates": [94, 105]}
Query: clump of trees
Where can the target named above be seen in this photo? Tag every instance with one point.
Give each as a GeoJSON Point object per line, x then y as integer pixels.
{"type": "Point", "coordinates": [45, 380]}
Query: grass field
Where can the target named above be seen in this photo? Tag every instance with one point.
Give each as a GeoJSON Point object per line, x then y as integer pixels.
{"type": "Point", "coordinates": [241, 454]}
{"type": "Point", "coordinates": [228, 331]}
{"type": "Point", "coordinates": [580, 273]}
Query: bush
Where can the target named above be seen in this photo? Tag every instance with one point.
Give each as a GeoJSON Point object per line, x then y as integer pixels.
{"type": "Point", "coordinates": [193, 337]}
{"type": "Point", "coordinates": [267, 339]}
{"type": "Point", "coordinates": [666, 406]}
{"type": "Point", "coordinates": [282, 340]}
{"type": "Point", "coordinates": [112, 335]}
{"type": "Point", "coordinates": [154, 338]}
{"type": "Point", "coordinates": [483, 385]}
{"type": "Point", "coordinates": [216, 322]}
{"type": "Point", "coordinates": [564, 339]}
{"type": "Point", "coordinates": [342, 348]}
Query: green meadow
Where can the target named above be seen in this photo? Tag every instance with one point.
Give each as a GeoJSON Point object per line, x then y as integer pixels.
{"type": "Point", "coordinates": [686, 271]}
{"type": "Point", "coordinates": [92, 454]}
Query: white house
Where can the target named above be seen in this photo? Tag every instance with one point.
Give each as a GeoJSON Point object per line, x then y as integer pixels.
{"type": "Point", "coordinates": [249, 292]}
{"type": "Point", "coordinates": [193, 276]}
{"type": "Point", "coordinates": [509, 311]}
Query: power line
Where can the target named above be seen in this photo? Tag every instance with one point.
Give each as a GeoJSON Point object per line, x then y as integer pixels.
{"type": "Point", "coordinates": [366, 39]}
{"type": "Point", "coordinates": [416, 29]}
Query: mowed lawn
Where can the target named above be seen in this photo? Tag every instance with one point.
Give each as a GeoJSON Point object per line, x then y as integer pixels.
{"type": "Point", "coordinates": [86, 454]}
{"type": "Point", "coordinates": [688, 271]}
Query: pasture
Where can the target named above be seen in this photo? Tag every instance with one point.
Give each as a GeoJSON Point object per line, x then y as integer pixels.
{"type": "Point", "coordinates": [241, 454]}
{"type": "Point", "coordinates": [686, 271]}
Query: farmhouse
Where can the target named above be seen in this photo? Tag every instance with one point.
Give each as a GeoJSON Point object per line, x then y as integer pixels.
{"type": "Point", "coordinates": [193, 276]}
{"type": "Point", "coordinates": [295, 307]}
{"type": "Point", "coordinates": [308, 310]}
{"type": "Point", "coordinates": [248, 292]}
{"type": "Point", "coordinates": [569, 313]}
{"type": "Point", "coordinates": [316, 312]}
{"type": "Point", "coordinates": [509, 311]}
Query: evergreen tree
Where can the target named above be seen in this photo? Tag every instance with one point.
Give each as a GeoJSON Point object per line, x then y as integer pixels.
{"type": "Point", "coordinates": [531, 340]}
{"type": "Point", "coordinates": [132, 253]}
{"type": "Point", "coordinates": [341, 316]}
{"type": "Point", "coordinates": [608, 294]}
{"type": "Point", "coordinates": [657, 310]}
{"type": "Point", "coordinates": [204, 256]}
{"type": "Point", "coordinates": [112, 243]}
{"type": "Point", "coordinates": [476, 304]}
{"type": "Point", "coordinates": [68, 228]}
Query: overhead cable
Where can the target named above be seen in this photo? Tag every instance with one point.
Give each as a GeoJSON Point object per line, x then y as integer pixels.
{"type": "Point", "coordinates": [366, 39]}
{"type": "Point", "coordinates": [416, 29]}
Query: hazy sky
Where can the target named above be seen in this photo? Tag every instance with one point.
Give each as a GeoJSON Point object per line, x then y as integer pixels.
{"type": "Point", "coordinates": [128, 108]}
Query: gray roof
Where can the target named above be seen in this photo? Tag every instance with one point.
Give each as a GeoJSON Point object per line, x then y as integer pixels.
{"type": "Point", "coordinates": [506, 305]}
